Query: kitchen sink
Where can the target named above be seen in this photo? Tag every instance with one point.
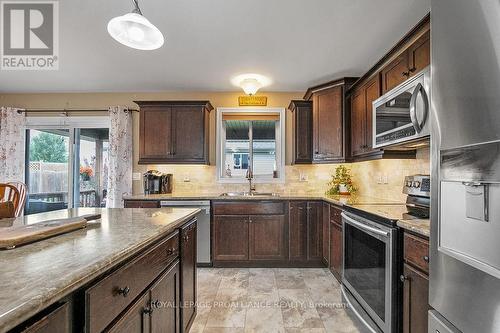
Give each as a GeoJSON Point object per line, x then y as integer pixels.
{"type": "Point", "coordinates": [249, 194]}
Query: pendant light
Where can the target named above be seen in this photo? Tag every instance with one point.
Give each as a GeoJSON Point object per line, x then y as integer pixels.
{"type": "Point", "coordinates": [135, 31]}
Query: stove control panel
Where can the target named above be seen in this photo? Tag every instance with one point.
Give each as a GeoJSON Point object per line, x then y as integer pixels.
{"type": "Point", "coordinates": [419, 185]}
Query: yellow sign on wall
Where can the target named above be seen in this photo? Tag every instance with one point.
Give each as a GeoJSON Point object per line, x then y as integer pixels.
{"type": "Point", "coordinates": [252, 100]}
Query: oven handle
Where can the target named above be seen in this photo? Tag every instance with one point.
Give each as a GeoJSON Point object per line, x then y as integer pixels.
{"type": "Point", "coordinates": [364, 227]}
{"type": "Point", "coordinates": [419, 89]}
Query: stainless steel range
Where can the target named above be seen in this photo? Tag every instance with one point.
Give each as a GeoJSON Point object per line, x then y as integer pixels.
{"type": "Point", "coordinates": [372, 255]}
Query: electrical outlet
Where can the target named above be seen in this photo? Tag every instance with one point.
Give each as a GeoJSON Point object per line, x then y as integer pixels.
{"type": "Point", "coordinates": [186, 179]}
{"type": "Point", "coordinates": [379, 178]}
{"type": "Point", "coordinates": [386, 179]}
{"type": "Point", "coordinates": [136, 176]}
{"type": "Point", "coordinates": [303, 177]}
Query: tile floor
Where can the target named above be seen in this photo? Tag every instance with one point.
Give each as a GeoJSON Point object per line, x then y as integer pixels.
{"type": "Point", "coordinates": [267, 300]}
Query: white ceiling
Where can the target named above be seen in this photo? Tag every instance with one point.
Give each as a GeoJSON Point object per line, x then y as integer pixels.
{"type": "Point", "coordinates": [298, 43]}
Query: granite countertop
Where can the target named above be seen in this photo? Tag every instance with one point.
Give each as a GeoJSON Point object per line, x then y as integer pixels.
{"type": "Point", "coordinates": [339, 200]}
{"type": "Point", "coordinates": [37, 275]}
{"type": "Point", "coordinates": [418, 226]}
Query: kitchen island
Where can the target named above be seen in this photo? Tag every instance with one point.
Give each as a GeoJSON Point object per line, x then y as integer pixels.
{"type": "Point", "coordinates": [68, 277]}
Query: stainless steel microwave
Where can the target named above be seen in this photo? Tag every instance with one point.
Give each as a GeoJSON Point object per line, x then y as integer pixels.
{"type": "Point", "coordinates": [401, 115]}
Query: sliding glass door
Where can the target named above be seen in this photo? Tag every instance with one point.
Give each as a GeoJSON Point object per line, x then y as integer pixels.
{"type": "Point", "coordinates": [66, 166]}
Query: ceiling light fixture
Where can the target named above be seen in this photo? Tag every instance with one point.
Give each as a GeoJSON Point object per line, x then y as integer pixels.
{"type": "Point", "coordinates": [135, 31]}
{"type": "Point", "coordinates": [251, 83]}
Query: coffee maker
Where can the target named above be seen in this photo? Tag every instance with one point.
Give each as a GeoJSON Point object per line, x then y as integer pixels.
{"type": "Point", "coordinates": [156, 182]}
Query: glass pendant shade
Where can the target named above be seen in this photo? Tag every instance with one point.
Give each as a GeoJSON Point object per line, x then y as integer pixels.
{"type": "Point", "coordinates": [135, 31]}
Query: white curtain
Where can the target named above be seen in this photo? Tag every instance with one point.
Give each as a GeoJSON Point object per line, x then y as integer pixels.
{"type": "Point", "coordinates": [12, 134]}
{"type": "Point", "coordinates": [120, 156]}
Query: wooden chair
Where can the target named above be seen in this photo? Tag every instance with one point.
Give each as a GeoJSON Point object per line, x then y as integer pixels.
{"type": "Point", "coordinates": [23, 194]}
{"type": "Point", "coordinates": [9, 193]}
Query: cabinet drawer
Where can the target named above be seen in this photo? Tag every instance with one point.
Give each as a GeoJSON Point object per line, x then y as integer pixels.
{"type": "Point", "coordinates": [416, 252]}
{"type": "Point", "coordinates": [55, 321]}
{"type": "Point", "coordinates": [335, 215]}
{"type": "Point", "coordinates": [110, 296]}
{"type": "Point", "coordinates": [249, 208]}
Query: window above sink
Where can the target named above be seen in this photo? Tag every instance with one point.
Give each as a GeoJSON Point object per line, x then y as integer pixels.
{"type": "Point", "coordinates": [250, 139]}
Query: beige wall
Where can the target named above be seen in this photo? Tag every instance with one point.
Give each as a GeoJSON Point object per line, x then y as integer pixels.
{"type": "Point", "coordinates": [202, 178]}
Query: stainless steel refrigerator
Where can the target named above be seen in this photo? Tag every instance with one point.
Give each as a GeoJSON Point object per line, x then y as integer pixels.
{"type": "Point", "coordinates": [465, 211]}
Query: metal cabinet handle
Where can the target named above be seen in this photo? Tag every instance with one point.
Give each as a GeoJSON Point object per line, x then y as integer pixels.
{"type": "Point", "coordinates": [403, 278]}
{"type": "Point", "coordinates": [186, 238]}
{"type": "Point", "coordinates": [170, 251]}
{"type": "Point", "coordinates": [149, 310]}
{"type": "Point", "coordinates": [426, 258]}
{"type": "Point", "coordinates": [123, 291]}
{"type": "Point", "coordinates": [413, 69]}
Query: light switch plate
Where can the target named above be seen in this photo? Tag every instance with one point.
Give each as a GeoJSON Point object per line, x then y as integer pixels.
{"type": "Point", "coordinates": [136, 176]}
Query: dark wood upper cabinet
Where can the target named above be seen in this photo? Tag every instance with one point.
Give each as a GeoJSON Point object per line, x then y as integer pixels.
{"type": "Point", "coordinates": [396, 72]}
{"type": "Point", "coordinates": [419, 54]}
{"type": "Point", "coordinates": [267, 237]}
{"type": "Point", "coordinates": [302, 128]}
{"type": "Point", "coordinates": [174, 132]}
{"type": "Point", "coordinates": [412, 56]}
{"type": "Point", "coordinates": [362, 117]}
{"type": "Point", "coordinates": [329, 120]}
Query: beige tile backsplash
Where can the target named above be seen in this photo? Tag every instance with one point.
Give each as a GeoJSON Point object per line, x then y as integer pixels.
{"type": "Point", "coordinates": [366, 176]}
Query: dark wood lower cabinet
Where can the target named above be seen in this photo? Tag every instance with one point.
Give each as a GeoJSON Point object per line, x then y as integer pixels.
{"type": "Point", "coordinates": [230, 238]}
{"type": "Point", "coordinates": [188, 275]}
{"type": "Point", "coordinates": [415, 300]}
{"type": "Point", "coordinates": [325, 224]}
{"type": "Point", "coordinates": [314, 231]}
{"type": "Point", "coordinates": [268, 234]}
{"type": "Point", "coordinates": [165, 295]}
{"type": "Point", "coordinates": [298, 230]}
{"type": "Point", "coordinates": [267, 237]}
{"type": "Point", "coordinates": [141, 204]}
{"type": "Point", "coordinates": [142, 294]}
{"type": "Point", "coordinates": [336, 249]}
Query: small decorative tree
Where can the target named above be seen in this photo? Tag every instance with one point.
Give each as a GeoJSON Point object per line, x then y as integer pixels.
{"type": "Point", "coordinates": [341, 182]}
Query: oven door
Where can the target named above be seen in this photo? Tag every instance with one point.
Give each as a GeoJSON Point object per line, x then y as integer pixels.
{"type": "Point", "coordinates": [368, 266]}
{"type": "Point", "coordinates": [401, 114]}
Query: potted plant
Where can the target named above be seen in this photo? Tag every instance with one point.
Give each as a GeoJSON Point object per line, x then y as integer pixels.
{"type": "Point", "coordinates": [341, 182]}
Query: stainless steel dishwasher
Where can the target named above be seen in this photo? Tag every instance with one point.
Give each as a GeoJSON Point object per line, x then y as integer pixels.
{"type": "Point", "coordinates": [203, 234]}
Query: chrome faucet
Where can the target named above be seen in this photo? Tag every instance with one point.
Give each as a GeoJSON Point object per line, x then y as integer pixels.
{"type": "Point", "coordinates": [249, 176]}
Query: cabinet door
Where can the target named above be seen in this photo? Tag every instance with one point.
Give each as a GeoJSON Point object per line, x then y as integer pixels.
{"type": "Point", "coordinates": [165, 298]}
{"type": "Point", "coordinates": [188, 276]}
{"type": "Point", "coordinates": [336, 250]}
{"type": "Point", "coordinates": [298, 230]}
{"type": "Point", "coordinates": [395, 72]}
{"type": "Point", "coordinates": [358, 122]}
{"type": "Point", "coordinates": [188, 127]}
{"type": "Point", "coordinates": [314, 226]}
{"type": "Point", "coordinates": [372, 92]}
{"type": "Point", "coordinates": [303, 134]}
{"type": "Point", "coordinates": [326, 232]}
{"type": "Point", "coordinates": [230, 237]}
{"type": "Point", "coordinates": [328, 124]}
{"type": "Point", "coordinates": [155, 134]}
{"type": "Point", "coordinates": [419, 54]}
{"type": "Point", "coordinates": [136, 319]}
{"type": "Point", "coordinates": [267, 237]}
{"type": "Point", "coordinates": [415, 301]}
